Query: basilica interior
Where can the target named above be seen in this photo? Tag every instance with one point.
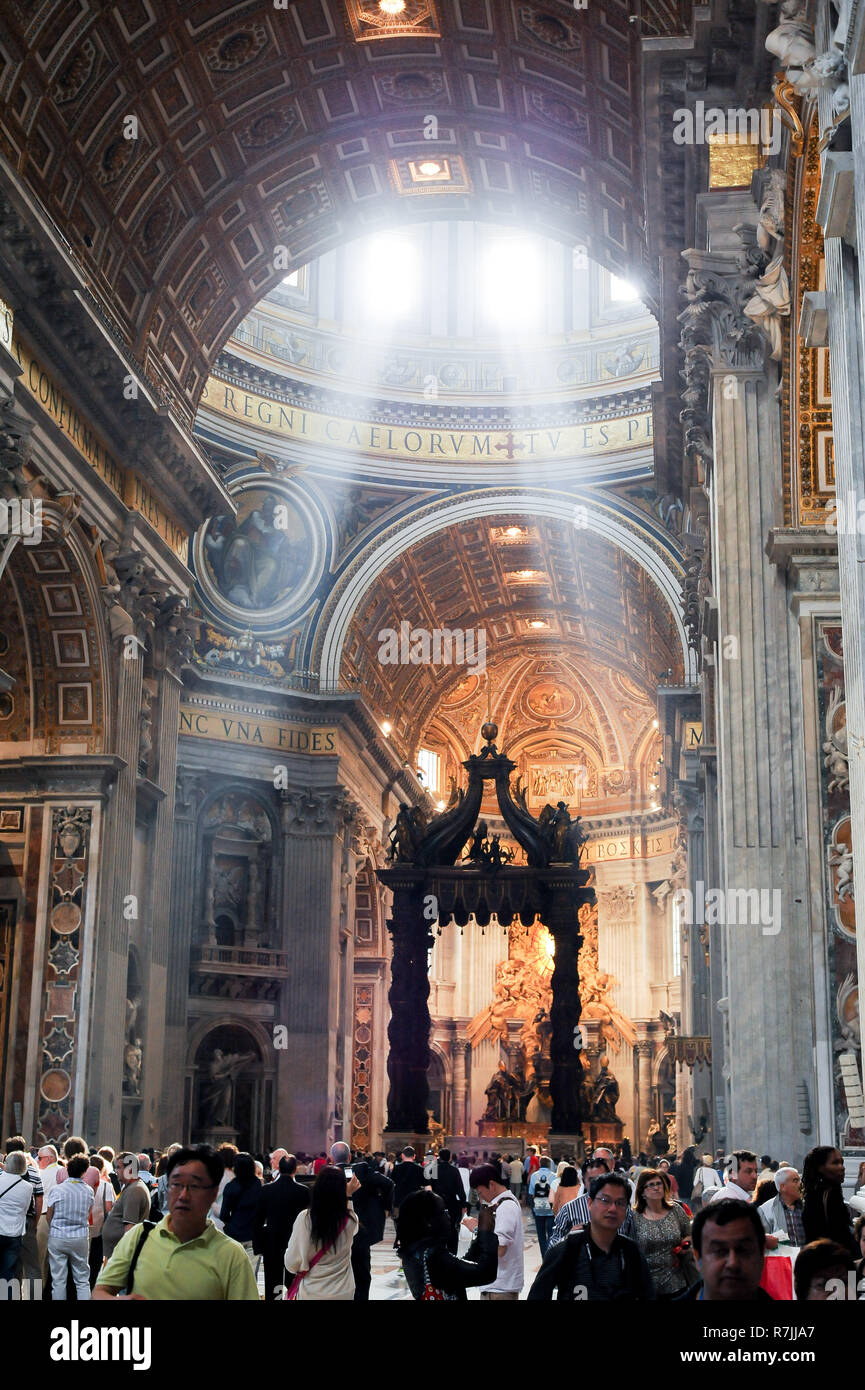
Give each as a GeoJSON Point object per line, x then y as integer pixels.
{"type": "Point", "coordinates": [408, 424]}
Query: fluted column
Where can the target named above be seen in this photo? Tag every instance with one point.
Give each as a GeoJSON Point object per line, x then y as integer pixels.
{"type": "Point", "coordinates": [761, 920]}
{"type": "Point", "coordinates": [154, 1071]}
{"type": "Point", "coordinates": [460, 1119]}
{"type": "Point", "coordinates": [105, 1073]}
{"type": "Point", "coordinates": [645, 1111]}
{"type": "Point", "coordinates": [184, 910]}
{"type": "Point", "coordinates": [312, 852]}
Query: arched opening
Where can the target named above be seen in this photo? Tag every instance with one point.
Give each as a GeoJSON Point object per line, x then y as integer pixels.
{"type": "Point", "coordinates": [226, 930]}
{"type": "Point", "coordinates": [232, 1093]}
{"type": "Point", "coordinates": [439, 1099]}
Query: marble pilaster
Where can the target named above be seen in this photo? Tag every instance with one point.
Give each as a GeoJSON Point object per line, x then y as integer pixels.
{"type": "Point", "coordinates": [312, 855]}
{"type": "Point", "coordinates": [846, 324]}
{"type": "Point", "coordinates": [645, 1110]}
{"type": "Point", "coordinates": [105, 1070]}
{"type": "Point", "coordinates": [761, 831]}
{"type": "Point", "coordinates": [460, 1094]}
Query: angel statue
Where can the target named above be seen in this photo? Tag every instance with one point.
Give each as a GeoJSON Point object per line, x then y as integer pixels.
{"type": "Point", "coordinates": [407, 834]}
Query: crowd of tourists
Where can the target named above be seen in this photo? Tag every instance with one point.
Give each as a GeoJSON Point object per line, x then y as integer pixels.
{"type": "Point", "coordinates": [201, 1223]}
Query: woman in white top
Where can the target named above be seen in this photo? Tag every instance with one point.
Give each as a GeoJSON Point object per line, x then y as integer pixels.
{"type": "Point", "coordinates": [320, 1246]}
{"type": "Point", "coordinates": [706, 1179]}
{"type": "Point", "coordinates": [103, 1201]}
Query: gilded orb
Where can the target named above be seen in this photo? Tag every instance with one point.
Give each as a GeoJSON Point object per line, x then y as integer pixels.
{"type": "Point", "coordinates": [489, 732]}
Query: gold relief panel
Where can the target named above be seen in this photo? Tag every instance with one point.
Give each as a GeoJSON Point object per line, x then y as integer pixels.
{"type": "Point", "coordinates": [809, 468]}
{"type": "Point", "coordinates": [732, 161]}
{"type": "Point", "coordinates": [569, 779]}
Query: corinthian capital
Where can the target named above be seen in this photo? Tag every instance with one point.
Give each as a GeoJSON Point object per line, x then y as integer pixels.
{"type": "Point", "coordinates": [715, 329]}
{"type": "Point", "coordinates": [14, 450]}
{"type": "Point", "coordinates": [176, 629]}
{"type": "Point", "coordinates": [317, 812]}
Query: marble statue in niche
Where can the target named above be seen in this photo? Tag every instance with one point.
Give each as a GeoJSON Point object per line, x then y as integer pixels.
{"type": "Point", "coordinates": [217, 1093]}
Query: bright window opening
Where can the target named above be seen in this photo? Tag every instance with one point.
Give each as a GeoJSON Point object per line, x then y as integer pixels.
{"type": "Point", "coordinates": [390, 277]}
{"type": "Point", "coordinates": [512, 283]}
{"type": "Point", "coordinates": [429, 764]}
{"type": "Point", "coordinates": [621, 291]}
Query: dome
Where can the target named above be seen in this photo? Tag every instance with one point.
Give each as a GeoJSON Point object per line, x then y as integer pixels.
{"type": "Point", "coordinates": [454, 311]}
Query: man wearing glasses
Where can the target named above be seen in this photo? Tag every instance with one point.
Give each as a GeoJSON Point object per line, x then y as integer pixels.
{"type": "Point", "coordinates": [597, 1264]}
{"type": "Point", "coordinates": [576, 1212]}
{"type": "Point", "coordinates": [183, 1256]}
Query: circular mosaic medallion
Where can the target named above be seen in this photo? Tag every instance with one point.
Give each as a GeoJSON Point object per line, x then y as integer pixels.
{"type": "Point", "coordinates": [260, 567]}
{"type": "Point", "coordinates": [549, 700]}
{"type": "Point", "coordinates": [465, 689]}
{"type": "Point", "coordinates": [66, 918]}
{"type": "Point", "coordinates": [56, 1085]}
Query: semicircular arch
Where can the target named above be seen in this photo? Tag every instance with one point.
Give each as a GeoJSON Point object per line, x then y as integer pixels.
{"type": "Point", "coordinates": [612, 520]}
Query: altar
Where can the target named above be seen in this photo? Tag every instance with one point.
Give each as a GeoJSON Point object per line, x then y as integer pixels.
{"type": "Point", "coordinates": [515, 1129]}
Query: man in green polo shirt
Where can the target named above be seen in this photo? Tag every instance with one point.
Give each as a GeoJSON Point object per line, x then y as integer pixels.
{"type": "Point", "coordinates": [184, 1256]}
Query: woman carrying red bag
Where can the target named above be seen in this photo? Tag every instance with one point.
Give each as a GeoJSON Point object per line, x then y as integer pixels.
{"type": "Point", "coordinates": [663, 1232]}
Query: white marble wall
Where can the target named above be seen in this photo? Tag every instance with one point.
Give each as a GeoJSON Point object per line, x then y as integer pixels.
{"type": "Point", "coordinates": [462, 979]}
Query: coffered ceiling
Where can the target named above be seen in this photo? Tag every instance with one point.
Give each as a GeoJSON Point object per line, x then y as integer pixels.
{"type": "Point", "coordinates": [542, 590]}
{"type": "Point", "coordinates": [178, 146]}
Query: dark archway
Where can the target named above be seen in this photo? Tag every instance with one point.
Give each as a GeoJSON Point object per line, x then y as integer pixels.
{"type": "Point", "coordinates": [232, 1102]}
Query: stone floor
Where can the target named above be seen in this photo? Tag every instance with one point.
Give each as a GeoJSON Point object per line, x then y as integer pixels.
{"type": "Point", "coordinates": [388, 1281]}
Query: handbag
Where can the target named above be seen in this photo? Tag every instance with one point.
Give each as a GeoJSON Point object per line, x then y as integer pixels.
{"type": "Point", "coordinates": [294, 1287]}
{"type": "Point", "coordinates": [430, 1293]}
{"type": "Point", "coordinates": [683, 1254]}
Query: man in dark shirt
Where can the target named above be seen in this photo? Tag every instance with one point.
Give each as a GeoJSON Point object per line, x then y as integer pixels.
{"type": "Point", "coordinates": [372, 1201]}
{"type": "Point", "coordinates": [729, 1240]}
{"type": "Point", "coordinates": [448, 1184]}
{"type": "Point", "coordinates": [278, 1206]}
{"type": "Point", "coordinates": [407, 1177]}
{"type": "Point", "coordinates": [597, 1264]}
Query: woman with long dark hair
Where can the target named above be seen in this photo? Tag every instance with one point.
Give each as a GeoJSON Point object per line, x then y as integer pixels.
{"type": "Point", "coordinates": [825, 1214]}
{"type": "Point", "coordinates": [432, 1273]}
{"type": "Point", "coordinates": [663, 1233]}
{"type": "Point", "coordinates": [570, 1187]}
{"type": "Point", "coordinates": [240, 1203]}
{"type": "Point", "coordinates": [318, 1258]}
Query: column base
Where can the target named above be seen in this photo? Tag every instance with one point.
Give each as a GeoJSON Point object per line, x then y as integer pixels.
{"type": "Point", "coordinates": [216, 1135]}
{"type": "Point", "coordinates": [566, 1146]}
{"type": "Point", "coordinates": [395, 1140]}
{"type": "Point", "coordinates": [514, 1129]}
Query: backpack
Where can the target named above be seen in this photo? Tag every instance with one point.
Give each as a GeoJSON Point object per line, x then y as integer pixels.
{"type": "Point", "coordinates": [156, 1212]}
{"type": "Point", "coordinates": [542, 1204]}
